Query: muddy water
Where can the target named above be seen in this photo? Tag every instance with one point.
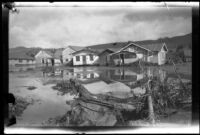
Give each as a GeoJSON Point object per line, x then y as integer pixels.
{"type": "Point", "coordinates": [49, 103]}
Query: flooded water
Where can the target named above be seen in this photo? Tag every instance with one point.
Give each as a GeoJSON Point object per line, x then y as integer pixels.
{"type": "Point", "coordinates": [117, 81]}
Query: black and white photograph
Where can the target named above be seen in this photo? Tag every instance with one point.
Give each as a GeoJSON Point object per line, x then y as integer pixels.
{"type": "Point", "coordinates": [100, 64]}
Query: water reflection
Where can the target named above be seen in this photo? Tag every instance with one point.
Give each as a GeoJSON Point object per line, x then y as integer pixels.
{"type": "Point", "coordinates": [106, 76]}
{"type": "Point", "coordinates": [117, 82]}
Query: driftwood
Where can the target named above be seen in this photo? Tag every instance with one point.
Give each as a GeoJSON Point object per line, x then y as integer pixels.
{"type": "Point", "coordinates": [84, 95]}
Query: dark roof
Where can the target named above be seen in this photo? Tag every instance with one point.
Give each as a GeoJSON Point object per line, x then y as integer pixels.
{"type": "Point", "coordinates": [109, 45]}
{"type": "Point", "coordinates": [153, 47]}
{"type": "Point", "coordinates": [76, 48]}
{"type": "Point", "coordinates": [87, 49]}
{"type": "Point", "coordinates": [20, 55]}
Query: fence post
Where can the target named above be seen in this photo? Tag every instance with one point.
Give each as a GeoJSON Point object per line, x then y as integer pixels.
{"type": "Point", "coordinates": [150, 103]}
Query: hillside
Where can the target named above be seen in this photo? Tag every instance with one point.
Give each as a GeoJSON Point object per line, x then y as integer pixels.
{"type": "Point", "coordinates": [172, 43]}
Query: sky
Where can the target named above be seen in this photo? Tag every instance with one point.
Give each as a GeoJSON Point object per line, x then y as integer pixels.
{"type": "Point", "coordinates": [58, 27]}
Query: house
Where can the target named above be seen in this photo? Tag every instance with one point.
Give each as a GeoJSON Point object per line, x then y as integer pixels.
{"type": "Point", "coordinates": [188, 54]}
{"type": "Point", "coordinates": [49, 57]}
{"type": "Point", "coordinates": [130, 54]}
{"type": "Point", "coordinates": [153, 53]}
{"type": "Point", "coordinates": [159, 53]}
{"type": "Point", "coordinates": [67, 53]}
{"type": "Point", "coordinates": [85, 56]}
{"type": "Point", "coordinates": [104, 56]}
{"type": "Point", "coordinates": [20, 59]}
{"type": "Point", "coordinates": [43, 58]}
{"type": "Point", "coordinates": [58, 57]}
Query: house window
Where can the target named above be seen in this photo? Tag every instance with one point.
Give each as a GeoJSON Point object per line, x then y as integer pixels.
{"type": "Point", "coordinates": [91, 58]}
{"type": "Point", "coordinates": [77, 58]}
{"type": "Point", "coordinates": [20, 61]}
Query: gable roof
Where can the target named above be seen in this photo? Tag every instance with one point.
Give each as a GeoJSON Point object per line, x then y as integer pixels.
{"type": "Point", "coordinates": [108, 45]}
{"type": "Point", "coordinates": [132, 43]}
{"type": "Point", "coordinates": [76, 48]}
{"type": "Point", "coordinates": [20, 55]}
{"type": "Point", "coordinates": [86, 49]}
{"type": "Point", "coordinates": [57, 54]}
{"type": "Point", "coordinates": [154, 46]}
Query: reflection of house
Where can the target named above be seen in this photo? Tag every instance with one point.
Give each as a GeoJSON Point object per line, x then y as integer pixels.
{"type": "Point", "coordinates": [154, 53]}
{"type": "Point", "coordinates": [20, 59]}
{"type": "Point", "coordinates": [122, 75]}
{"type": "Point", "coordinates": [67, 53]}
{"type": "Point", "coordinates": [85, 56]}
{"type": "Point", "coordinates": [80, 74]}
{"type": "Point", "coordinates": [161, 74]}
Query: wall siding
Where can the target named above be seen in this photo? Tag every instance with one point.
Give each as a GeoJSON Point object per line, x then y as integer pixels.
{"type": "Point", "coordinates": [24, 62]}
{"type": "Point", "coordinates": [88, 61]}
{"type": "Point", "coordinates": [66, 54]}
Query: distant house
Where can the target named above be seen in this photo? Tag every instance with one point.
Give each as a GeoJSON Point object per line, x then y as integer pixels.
{"type": "Point", "coordinates": [153, 53]}
{"type": "Point", "coordinates": [20, 59]}
{"type": "Point", "coordinates": [188, 54]}
{"type": "Point", "coordinates": [85, 56]}
{"type": "Point", "coordinates": [67, 53]}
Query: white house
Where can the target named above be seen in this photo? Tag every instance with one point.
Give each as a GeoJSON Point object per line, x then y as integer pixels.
{"type": "Point", "coordinates": [67, 53]}
{"type": "Point", "coordinates": [159, 53]}
{"type": "Point", "coordinates": [153, 53]}
{"type": "Point", "coordinates": [43, 57]}
{"type": "Point", "coordinates": [85, 56]}
{"type": "Point", "coordinates": [46, 57]}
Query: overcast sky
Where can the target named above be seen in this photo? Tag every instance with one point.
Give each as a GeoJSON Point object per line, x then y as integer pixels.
{"type": "Point", "coordinates": [53, 27]}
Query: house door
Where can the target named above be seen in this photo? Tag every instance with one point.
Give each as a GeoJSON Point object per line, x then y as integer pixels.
{"type": "Point", "coordinates": [42, 60]}
{"type": "Point", "coordinates": [84, 59]}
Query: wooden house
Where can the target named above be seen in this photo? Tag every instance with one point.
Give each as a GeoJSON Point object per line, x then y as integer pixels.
{"type": "Point", "coordinates": [43, 58]}
{"type": "Point", "coordinates": [104, 56]}
{"type": "Point", "coordinates": [20, 59]}
{"type": "Point", "coordinates": [158, 55]}
{"type": "Point", "coordinates": [49, 57]}
{"type": "Point", "coordinates": [153, 53]}
{"type": "Point", "coordinates": [188, 54]}
{"type": "Point", "coordinates": [85, 56]}
{"type": "Point", "coordinates": [67, 53]}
